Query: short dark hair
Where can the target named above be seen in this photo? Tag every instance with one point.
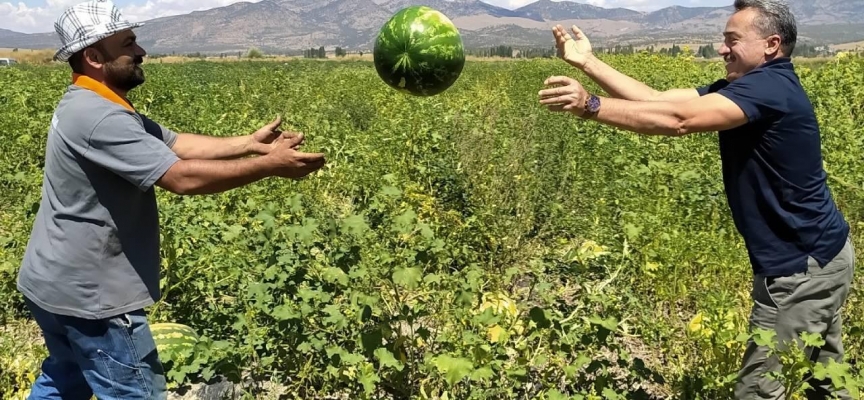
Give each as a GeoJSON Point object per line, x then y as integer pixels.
{"type": "Point", "coordinates": [76, 60]}
{"type": "Point", "coordinates": [774, 18]}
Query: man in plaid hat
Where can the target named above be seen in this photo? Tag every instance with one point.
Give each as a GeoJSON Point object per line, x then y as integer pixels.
{"type": "Point", "coordinates": [92, 261]}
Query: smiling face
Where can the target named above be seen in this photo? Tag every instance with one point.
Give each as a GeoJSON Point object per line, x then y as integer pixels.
{"type": "Point", "coordinates": [745, 45]}
{"type": "Point", "coordinates": [117, 59]}
{"type": "Point", "coordinates": [123, 71]}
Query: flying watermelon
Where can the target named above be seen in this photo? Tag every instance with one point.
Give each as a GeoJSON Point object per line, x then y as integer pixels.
{"type": "Point", "coordinates": [419, 51]}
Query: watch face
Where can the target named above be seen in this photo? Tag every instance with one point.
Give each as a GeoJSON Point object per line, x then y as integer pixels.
{"type": "Point", "coordinates": [593, 104]}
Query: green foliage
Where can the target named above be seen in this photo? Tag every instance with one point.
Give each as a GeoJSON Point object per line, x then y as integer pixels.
{"type": "Point", "coordinates": [254, 53]}
{"type": "Point", "coordinates": [469, 245]}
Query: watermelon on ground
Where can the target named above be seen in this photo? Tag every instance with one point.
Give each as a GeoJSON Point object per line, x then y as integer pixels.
{"type": "Point", "coordinates": [419, 51]}
{"type": "Point", "coordinates": [173, 340]}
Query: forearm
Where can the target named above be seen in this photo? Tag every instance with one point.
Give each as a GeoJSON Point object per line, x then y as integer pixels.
{"type": "Point", "coordinates": [190, 146]}
{"type": "Point", "coordinates": [189, 177]}
{"type": "Point", "coordinates": [649, 118]}
{"type": "Point", "coordinates": [617, 84]}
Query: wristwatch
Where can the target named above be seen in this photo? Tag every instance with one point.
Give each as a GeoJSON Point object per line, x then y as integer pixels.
{"type": "Point", "coordinates": [592, 107]}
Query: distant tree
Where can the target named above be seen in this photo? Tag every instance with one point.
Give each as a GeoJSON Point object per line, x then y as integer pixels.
{"type": "Point", "coordinates": [254, 53]}
{"type": "Point", "coordinates": [707, 51]}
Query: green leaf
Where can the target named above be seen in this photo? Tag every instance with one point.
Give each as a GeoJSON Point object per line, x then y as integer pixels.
{"type": "Point", "coordinates": [632, 231]}
{"type": "Point", "coordinates": [409, 277]}
{"type": "Point", "coordinates": [538, 315]}
{"type": "Point", "coordinates": [368, 378]}
{"type": "Point", "coordinates": [390, 191]}
{"type": "Point", "coordinates": [611, 394]}
{"type": "Point", "coordinates": [610, 323]}
{"type": "Point", "coordinates": [554, 394]}
{"type": "Point", "coordinates": [334, 315]}
{"type": "Point", "coordinates": [454, 369]}
{"type": "Point", "coordinates": [812, 339]}
{"type": "Point", "coordinates": [285, 312]}
{"type": "Point", "coordinates": [385, 357]}
{"type": "Point", "coordinates": [482, 374]}
{"type": "Point", "coordinates": [355, 225]}
{"type": "Point", "coordinates": [404, 223]}
{"type": "Point", "coordinates": [335, 275]}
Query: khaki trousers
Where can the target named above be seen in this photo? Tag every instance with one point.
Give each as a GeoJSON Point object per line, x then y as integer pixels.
{"type": "Point", "coordinates": [805, 302]}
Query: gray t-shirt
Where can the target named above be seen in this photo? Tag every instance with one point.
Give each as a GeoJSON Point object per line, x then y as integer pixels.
{"type": "Point", "coordinates": [94, 249]}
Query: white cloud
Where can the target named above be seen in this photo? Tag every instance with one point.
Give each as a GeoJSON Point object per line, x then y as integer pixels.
{"type": "Point", "coordinates": [511, 3]}
{"type": "Point", "coordinates": [30, 19]}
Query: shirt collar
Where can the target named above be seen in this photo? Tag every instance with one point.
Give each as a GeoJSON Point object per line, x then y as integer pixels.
{"type": "Point", "coordinates": [87, 82]}
{"type": "Point", "coordinates": [783, 62]}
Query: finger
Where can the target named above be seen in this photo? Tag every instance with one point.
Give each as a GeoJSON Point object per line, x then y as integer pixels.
{"type": "Point", "coordinates": [295, 140]}
{"type": "Point", "coordinates": [562, 33]}
{"type": "Point", "coordinates": [577, 32]}
{"type": "Point", "coordinates": [556, 100]}
{"type": "Point", "coordinates": [289, 136]}
{"type": "Point", "coordinates": [310, 157]}
{"type": "Point", "coordinates": [558, 32]}
{"type": "Point", "coordinates": [560, 39]}
{"type": "Point", "coordinates": [556, 91]}
{"type": "Point", "coordinates": [275, 123]}
{"type": "Point", "coordinates": [559, 80]}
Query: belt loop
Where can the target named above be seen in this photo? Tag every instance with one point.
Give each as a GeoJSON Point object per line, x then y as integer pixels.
{"type": "Point", "coordinates": [128, 322]}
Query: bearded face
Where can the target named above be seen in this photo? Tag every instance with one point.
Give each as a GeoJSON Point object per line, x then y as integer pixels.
{"type": "Point", "coordinates": [119, 59]}
{"type": "Point", "coordinates": [124, 72]}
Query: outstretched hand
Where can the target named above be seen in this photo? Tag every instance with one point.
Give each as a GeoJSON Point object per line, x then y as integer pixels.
{"type": "Point", "coordinates": [264, 140]}
{"type": "Point", "coordinates": [290, 163]}
{"type": "Point", "coordinates": [569, 96]}
{"type": "Point", "coordinates": [575, 49]}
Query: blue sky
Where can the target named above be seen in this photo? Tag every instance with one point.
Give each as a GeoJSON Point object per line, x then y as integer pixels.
{"type": "Point", "coordinates": [38, 15]}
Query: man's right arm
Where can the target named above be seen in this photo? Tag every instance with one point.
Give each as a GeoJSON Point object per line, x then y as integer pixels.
{"type": "Point", "coordinates": [621, 86]}
{"type": "Point", "coordinates": [120, 144]}
{"type": "Point", "coordinates": [191, 177]}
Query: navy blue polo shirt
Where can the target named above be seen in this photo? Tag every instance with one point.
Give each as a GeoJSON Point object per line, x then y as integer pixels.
{"type": "Point", "coordinates": [773, 175]}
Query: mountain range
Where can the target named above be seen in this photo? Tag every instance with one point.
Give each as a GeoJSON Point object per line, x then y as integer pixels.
{"type": "Point", "coordinates": [282, 26]}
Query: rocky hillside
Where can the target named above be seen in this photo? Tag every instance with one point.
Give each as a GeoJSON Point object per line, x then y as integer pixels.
{"type": "Point", "coordinates": [294, 25]}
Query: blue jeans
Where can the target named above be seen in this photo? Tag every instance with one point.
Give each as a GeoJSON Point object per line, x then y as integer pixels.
{"type": "Point", "coordinates": [113, 358]}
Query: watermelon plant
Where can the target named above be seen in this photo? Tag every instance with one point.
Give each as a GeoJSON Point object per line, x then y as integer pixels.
{"type": "Point", "coordinates": [465, 246]}
{"type": "Point", "coordinates": [419, 51]}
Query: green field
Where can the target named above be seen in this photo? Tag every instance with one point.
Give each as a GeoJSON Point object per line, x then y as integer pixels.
{"type": "Point", "coordinates": [470, 245]}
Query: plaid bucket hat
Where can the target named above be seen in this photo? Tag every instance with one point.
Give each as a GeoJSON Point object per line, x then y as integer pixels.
{"type": "Point", "coordinates": [87, 23]}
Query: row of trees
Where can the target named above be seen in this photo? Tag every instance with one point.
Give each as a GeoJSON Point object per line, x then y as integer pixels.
{"type": "Point", "coordinates": [705, 51]}
{"type": "Point", "coordinates": [320, 52]}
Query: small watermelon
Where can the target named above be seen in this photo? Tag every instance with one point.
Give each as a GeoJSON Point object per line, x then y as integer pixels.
{"type": "Point", "coordinates": [173, 340]}
{"type": "Point", "coordinates": [419, 51]}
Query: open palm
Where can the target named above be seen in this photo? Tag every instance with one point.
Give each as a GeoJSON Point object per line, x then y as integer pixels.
{"type": "Point", "coordinates": [573, 49]}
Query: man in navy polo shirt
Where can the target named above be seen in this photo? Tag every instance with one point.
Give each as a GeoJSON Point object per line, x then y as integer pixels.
{"type": "Point", "coordinates": [797, 240]}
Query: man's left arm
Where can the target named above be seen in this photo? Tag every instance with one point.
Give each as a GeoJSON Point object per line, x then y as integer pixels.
{"type": "Point", "coordinates": [203, 147]}
{"type": "Point", "coordinates": [711, 112]}
{"type": "Point", "coordinates": [189, 146]}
